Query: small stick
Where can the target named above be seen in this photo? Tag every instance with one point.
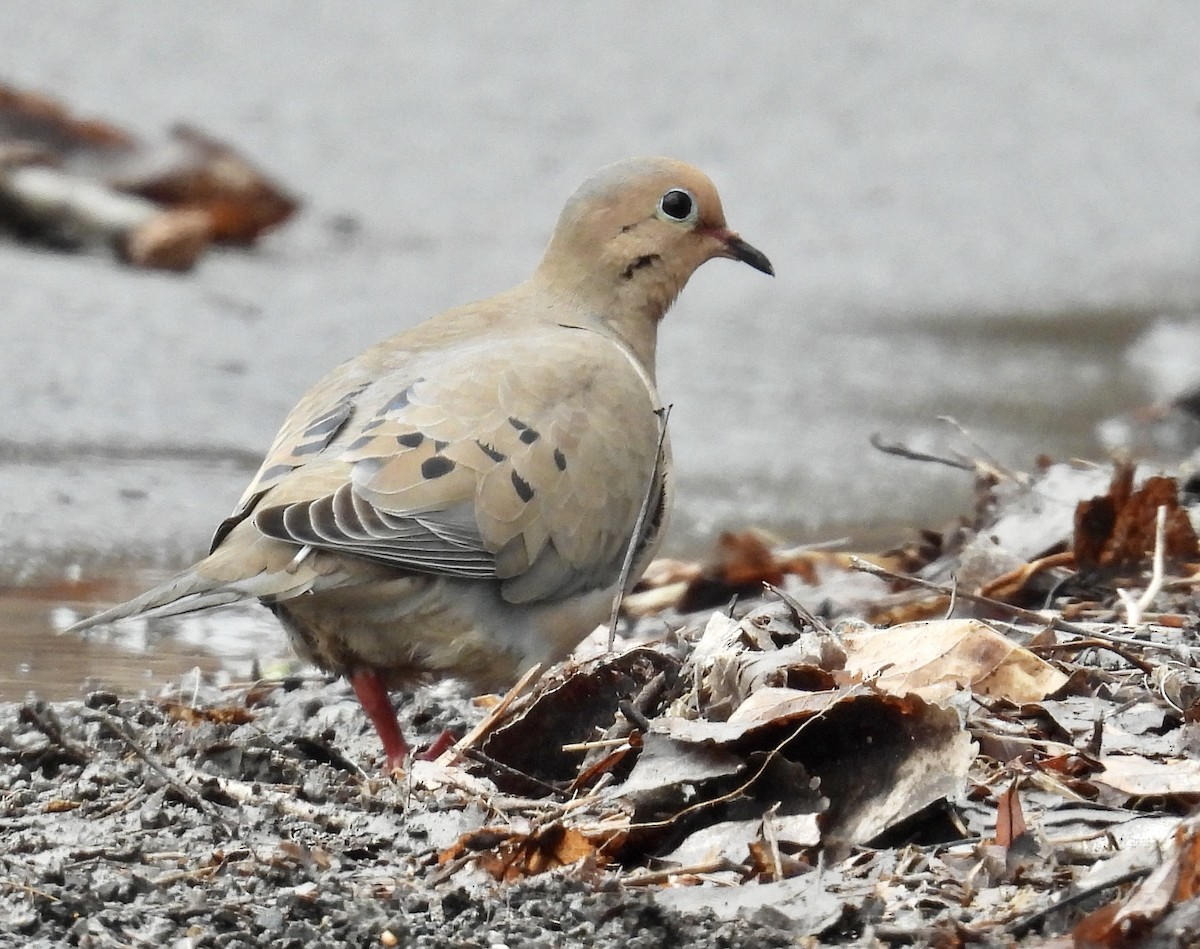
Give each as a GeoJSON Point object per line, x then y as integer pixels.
{"type": "Point", "coordinates": [1079, 645]}
{"type": "Point", "coordinates": [114, 726]}
{"type": "Point", "coordinates": [1030, 616]}
{"type": "Point", "coordinates": [953, 599]}
{"type": "Point", "coordinates": [598, 743]}
{"type": "Point", "coordinates": [902, 451]}
{"type": "Point", "coordinates": [1136, 609]}
{"type": "Point", "coordinates": [631, 551]}
{"type": "Point", "coordinates": [798, 608]}
{"type": "Point", "coordinates": [772, 838]}
{"type": "Point", "coordinates": [653, 877]}
{"type": "Point", "coordinates": [506, 804]}
{"type": "Point", "coordinates": [1163, 675]}
{"type": "Point", "coordinates": [31, 891]}
{"type": "Point", "coordinates": [285, 802]}
{"type": "Point", "coordinates": [489, 721]}
{"type": "Point", "coordinates": [634, 716]}
{"type": "Point", "coordinates": [500, 767]}
{"type": "Point", "coordinates": [1024, 925]}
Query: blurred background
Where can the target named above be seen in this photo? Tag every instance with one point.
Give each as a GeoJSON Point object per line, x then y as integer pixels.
{"type": "Point", "coordinates": [984, 211]}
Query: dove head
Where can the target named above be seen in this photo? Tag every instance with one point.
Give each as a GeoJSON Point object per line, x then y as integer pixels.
{"type": "Point", "coordinates": [631, 236]}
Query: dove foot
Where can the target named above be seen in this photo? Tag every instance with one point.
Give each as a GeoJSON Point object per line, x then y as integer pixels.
{"type": "Point", "coordinates": [373, 696]}
{"type": "Point", "coordinates": [439, 746]}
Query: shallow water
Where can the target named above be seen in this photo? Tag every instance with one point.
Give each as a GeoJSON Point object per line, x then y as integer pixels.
{"type": "Point", "coordinates": [989, 213]}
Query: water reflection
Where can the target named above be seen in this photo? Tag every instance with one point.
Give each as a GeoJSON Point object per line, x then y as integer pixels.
{"type": "Point", "coordinates": [130, 657]}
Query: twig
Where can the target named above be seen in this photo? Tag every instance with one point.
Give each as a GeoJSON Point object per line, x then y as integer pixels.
{"type": "Point", "coordinates": [953, 598]}
{"type": "Point", "coordinates": [122, 805]}
{"type": "Point", "coordinates": [26, 888]}
{"type": "Point", "coordinates": [506, 804]}
{"type": "Point", "coordinates": [655, 877]}
{"type": "Point", "coordinates": [1135, 609]}
{"type": "Point", "coordinates": [901, 451]}
{"type": "Point", "coordinates": [115, 727]}
{"type": "Point", "coordinates": [1024, 925]}
{"type": "Point", "coordinates": [745, 785]}
{"type": "Point", "coordinates": [604, 743]}
{"type": "Point", "coordinates": [1162, 675]}
{"type": "Point", "coordinates": [772, 839]}
{"type": "Point", "coordinates": [499, 767]}
{"type": "Point", "coordinates": [1030, 616]}
{"type": "Point", "coordinates": [634, 715]}
{"type": "Point", "coordinates": [798, 609]}
{"type": "Point", "coordinates": [1078, 645]}
{"type": "Point", "coordinates": [635, 539]}
{"type": "Point", "coordinates": [284, 802]}
{"type": "Point", "coordinates": [489, 721]}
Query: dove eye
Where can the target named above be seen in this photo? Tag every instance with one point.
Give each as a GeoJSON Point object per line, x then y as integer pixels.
{"type": "Point", "coordinates": [677, 205]}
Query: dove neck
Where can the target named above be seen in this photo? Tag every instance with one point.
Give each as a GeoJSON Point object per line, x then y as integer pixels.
{"type": "Point", "coordinates": [627, 309]}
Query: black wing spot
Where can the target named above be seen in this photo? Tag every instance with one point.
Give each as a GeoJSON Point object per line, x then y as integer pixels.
{"type": "Point", "coordinates": [523, 487]}
{"type": "Point", "coordinates": [438, 444]}
{"type": "Point", "coordinates": [530, 435]}
{"type": "Point", "coordinates": [410, 439]}
{"type": "Point", "coordinates": [374, 423]}
{"type": "Point", "coordinates": [517, 423]}
{"type": "Point", "coordinates": [436, 466]}
{"type": "Point", "coordinates": [361, 442]}
{"type": "Point", "coordinates": [560, 460]}
{"type": "Point", "coordinates": [645, 260]}
{"type": "Point", "coordinates": [496, 456]}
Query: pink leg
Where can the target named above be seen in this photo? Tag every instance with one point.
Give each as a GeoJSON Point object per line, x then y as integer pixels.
{"type": "Point", "coordinates": [444, 742]}
{"type": "Point", "coordinates": [373, 696]}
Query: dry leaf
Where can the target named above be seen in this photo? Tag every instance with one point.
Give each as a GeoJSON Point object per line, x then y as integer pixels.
{"type": "Point", "coordinates": [219, 715]}
{"type": "Point", "coordinates": [509, 856]}
{"type": "Point", "coordinates": [1118, 529]}
{"type": "Point", "coordinates": [1136, 776]}
{"type": "Point", "coordinates": [70, 182]}
{"type": "Point", "coordinates": [1129, 922]}
{"type": "Point", "coordinates": [879, 758]}
{"type": "Point", "coordinates": [666, 765]}
{"type": "Point", "coordinates": [935, 659]}
{"type": "Point", "coordinates": [733, 840]}
{"type": "Point", "coordinates": [1010, 821]}
{"type": "Point", "coordinates": [570, 705]}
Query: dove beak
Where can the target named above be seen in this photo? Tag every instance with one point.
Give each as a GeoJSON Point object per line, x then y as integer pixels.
{"type": "Point", "coordinates": [738, 249]}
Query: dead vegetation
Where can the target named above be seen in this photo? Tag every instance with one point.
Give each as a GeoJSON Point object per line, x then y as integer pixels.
{"type": "Point", "coordinates": [72, 183]}
{"type": "Point", "coordinates": [986, 738]}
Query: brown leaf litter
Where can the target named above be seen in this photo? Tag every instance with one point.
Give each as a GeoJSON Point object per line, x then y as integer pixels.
{"type": "Point", "coordinates": [70, 183]}
{"type": "Point", "coordinates": [987, 738]}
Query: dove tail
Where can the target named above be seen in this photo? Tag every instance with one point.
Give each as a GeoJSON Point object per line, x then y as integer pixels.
{"type": "Point", "coordinates": [183, 593]}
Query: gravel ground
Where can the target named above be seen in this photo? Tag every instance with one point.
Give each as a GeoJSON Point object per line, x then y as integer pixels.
{"type": "Point", "coordinates": [146, 823]}
{"type": "Point", "coordinates": [853, 769]}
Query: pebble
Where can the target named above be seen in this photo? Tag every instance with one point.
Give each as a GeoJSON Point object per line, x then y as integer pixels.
{"type": "Point", "coordinates": [136, 865]}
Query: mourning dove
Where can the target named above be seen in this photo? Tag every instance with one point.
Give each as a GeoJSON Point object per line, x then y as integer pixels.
{"type": "Point", "coordinates": [460, 499]}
